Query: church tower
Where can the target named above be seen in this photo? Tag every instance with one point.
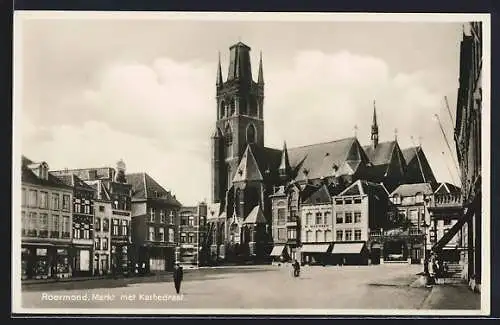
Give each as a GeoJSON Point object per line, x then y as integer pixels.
{"type": "Point", "coordinates": [374, 136]}
{"type": "Point", "coordinates": [240, 121]}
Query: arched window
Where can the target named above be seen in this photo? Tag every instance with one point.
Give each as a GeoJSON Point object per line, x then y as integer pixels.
{"type": "Point", "coordinates": [222, 109]}
{"type": "Point", "coordinates": [251, 134]}
{"type": "Point", "coordinates": [228, 137]}
{"type": "Point", "coordinates": [233, 107]}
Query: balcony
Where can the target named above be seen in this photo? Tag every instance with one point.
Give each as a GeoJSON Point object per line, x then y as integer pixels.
{"type": "Point", "coordinates": [448, 200]}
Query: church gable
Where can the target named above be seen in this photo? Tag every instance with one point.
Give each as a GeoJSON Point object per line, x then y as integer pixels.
{"type": "Point", "coordinates": [418, 169]}
{"type": "Point", "coordinates": [247, 170]}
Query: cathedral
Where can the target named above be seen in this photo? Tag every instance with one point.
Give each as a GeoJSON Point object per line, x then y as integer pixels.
{"type": "Point", "coordinates": [246, 174]}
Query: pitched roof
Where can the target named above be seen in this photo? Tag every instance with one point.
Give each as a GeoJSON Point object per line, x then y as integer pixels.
{"type": "Point", "coordinates": [85, 174]}
{"type": "Point", "coordinates": [363, 187]}
{"type": "Point", "coordinates": [145, 187]}
{"type": "Point", "coordinates": [412, 189]}
{"type": "Point", "coordinates": [321, 159]}
{"type": "Point", "coordinates": [417, 164]}
{"type": "Point", "coordinates": [248, 169]}
{"type": "Point", "coordinates": [321, 196]}
{"type": "Point", "coordinates": [28, 176]}
{"type": "Point", "coordinates": [75, 182]}
{"type": "Point", "coordinates": [447, 188]}
{"type": "Point", "coordinates": [381, 154]}
{"type": "Point", "coordinates": [255, 216]}
{"type": "Point", "coordinates": [268, 160]}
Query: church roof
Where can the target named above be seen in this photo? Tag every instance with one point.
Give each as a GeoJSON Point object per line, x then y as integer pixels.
{"type": "Point", "coordinates": [248, 169]}
{"type": "Point", "coordinates": [255, 216]}
{"type": "Point", "coordinates": [321, 196]}
{"type": "Point", "coordinates": [412, 189]}
{"type": "Point", "coordinates": [381, 154]}
{"type": "Point", "coordinates": [417, 164]}
{"type": "Point", "coordinates": [145, 187]}
{"type": "Point", "coordinates": [320, 160]}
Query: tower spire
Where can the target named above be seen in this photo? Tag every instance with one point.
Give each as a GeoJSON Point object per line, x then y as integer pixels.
{"type": "Point", "coordinates": [260, 80]}
{"type": "Point", "coordinates": [219, 73]}
{"type": "Point", "coordinates": [284, 168]}
{"type": "Point", "coordinates": [374, 136]}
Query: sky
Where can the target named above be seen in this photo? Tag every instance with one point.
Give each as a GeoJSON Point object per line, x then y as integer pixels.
{"type": "Point", "coordinates": [94, 91]}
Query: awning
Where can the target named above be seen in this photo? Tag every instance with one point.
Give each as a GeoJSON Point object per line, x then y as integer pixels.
{"type": "Point", "coordinates": [315, 248]}
{"type": "Point", "coordinates": [277, 250]}
{"type": "Point", "coordinates": [347, 248]}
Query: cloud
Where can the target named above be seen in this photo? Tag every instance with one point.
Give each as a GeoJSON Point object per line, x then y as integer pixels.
{"type": "Point", "coordinates": [158, 115]}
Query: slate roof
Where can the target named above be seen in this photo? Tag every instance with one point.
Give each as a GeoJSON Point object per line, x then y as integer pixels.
{"type": "Point", "coordinates": [405, 190]}
{"type": "Point", "coordinates": [248, 169]}
{"type": "Point", "coordinates": [381, 154]}
{"type": "Point", "coordinates": [255, 216]}
{"type": "Point", "coordinates": [363, 187]}
{"type": "Point", "coordinates": [75, 182]}
{"type": "Point", "coordinates": [268, 160]}
{"type": "Point", "coordinates": [28, 176]}
{"type": "Point", "coordinates": [145, 187]}
{"type": "Point", "coordinates": [414, 173]}
{"type": "Point", "coordinates": [321, 196]}
{"type": "Point", "coordinates": [318, 160]}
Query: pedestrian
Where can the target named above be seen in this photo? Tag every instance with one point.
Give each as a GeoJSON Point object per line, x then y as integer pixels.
{"type": "Point", "coordinates": [178, 275]}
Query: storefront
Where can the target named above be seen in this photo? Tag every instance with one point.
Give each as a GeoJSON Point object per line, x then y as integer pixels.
{"type": "Point", "coordinates": [25, 263]}
{"type": "Point", "coordinates": [316, 254]}
{"type": "Point", "coordinates": [45, 261]}
{"type": "Point", "coordinates": [119, 258]}
{"type": "Point", "coordinates": [82, 262]}
{"type": "Point", "coordinates": [279, 253]}
{"type": "Point", "coordinates": [101, 264]}
{"type": "Point", "coordinates": [62, 263]}
{"type": "Point", "coordinates": [350, 254]}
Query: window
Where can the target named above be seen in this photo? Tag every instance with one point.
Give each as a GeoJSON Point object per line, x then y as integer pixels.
{"type": "Point", "coordinates": [183, 237]}
{"type": "Point", "coordinates": [348, 235]}
{"type": "Point", "coordinates": [76, 231]}
{"type": "Point", "coordinates": [32, 198]}
{"type": "Point", "coordinates": [339, 201]}
{"type": "Point", "coordinates": [162, 216]}
{"type": "Point", "coordinates": [328, 235]}
{"type": "Point", "coordinates": [357, 217]}
{"type": "Point", "coordinates": [170, 235]}
{"type": "Point", "coordinates": [292, 233]}
{"type": "Point", "coordinates": [191, 221]}
{"type": "Point", "coordinates": [171, 217]}
{"type": "Point", "coordinates": [348, 201]}
{"type": "Point", "coordinates": [151, 236]}
{"type": "Point", "coordinates": [183, 220]}
{"type": "Point", "coordinates": [281, 234]}
{"type": "Point", "coordinates": [319, 218]}
{"type": "Point", "coordinates": [396, 199]}
{"type": "Point", "coordinates": [44, 225]}
{"type": "Point", "coordinates": [414, 217]}
{"type": "Point", "coordinates": [152, 215]}
{"type": "Point", "coordinates": [309, 218]}
{"type": "Point", "coordinates": [161, 232]}
{"type": "Point", "coordinates": [86, 231]}
{"type": "Point", "coordinates": [101, 208]}
{"type": "Point", "coordinates": [124, 227]}
{"type": "Point", "coordinates": [348, 217]}
{"type": "Point", "coordinates": [357, 200]}
{"type": "Point", "coordinates": [105, 244]}
{"type": "Point", "coordinates": [87, 208]}
{"type": "Point", "coordinates": [419, 198]}
{"type": "Point", "coordinates": [55, 201]}
{"type": "Point", "coordinates": [66, 202]}
{"type": "Point", "coordinates": [116, 227]}
{"type": "Point", "coordinates": [318, 236]}
{"type": "Point", "coordinates": [357, 234]}
{"type": "Point", "coordinates": [281, 216]}
{"type": "Point", "coordinates": [44, 203]}
{"type": "Point", "coordinates": [339, 217]}
{"type": "Point", "coordinates": [339, 235]}
{"type": "Point", "coordinates": [105, 224]}
{"type": "Point", "coordinates": [328, 218]}
{"type": "Point", "coordinates": [66, 226]}
{"type": "Point", "coordinates": [32, 221]}
{"type": "Point", "coordinates": [77, 206]}
{"type": "Point", "coordinates": [23, 197]}
{"type": "Point", "coordinates": [97, 225]}
{"type": "Point", "coordinates": [97, 243]}
{"type": "Point", "coordinates": [192, 238]}
{"type": "Point", "coordinates": [24, 221]}
{"type": "Point", "coordinates": [54, 226]}
{"type": "Point", "coordinates": [308, 236]}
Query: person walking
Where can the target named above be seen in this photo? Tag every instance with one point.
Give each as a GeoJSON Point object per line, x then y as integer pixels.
{"type": "Point", "coordinates": [178, 275]}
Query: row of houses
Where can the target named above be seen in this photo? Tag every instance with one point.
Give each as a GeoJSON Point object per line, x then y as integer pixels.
{"type": "Point", "coordinates": [364, 223]}
{"type": "Point", "coordinates": [97, 221]}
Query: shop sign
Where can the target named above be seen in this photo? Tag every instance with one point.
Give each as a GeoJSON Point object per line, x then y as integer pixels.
{"type": "Point", "coordinates": [62, 252]}
{"type": "Point", "coordinates": [41, 252]}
